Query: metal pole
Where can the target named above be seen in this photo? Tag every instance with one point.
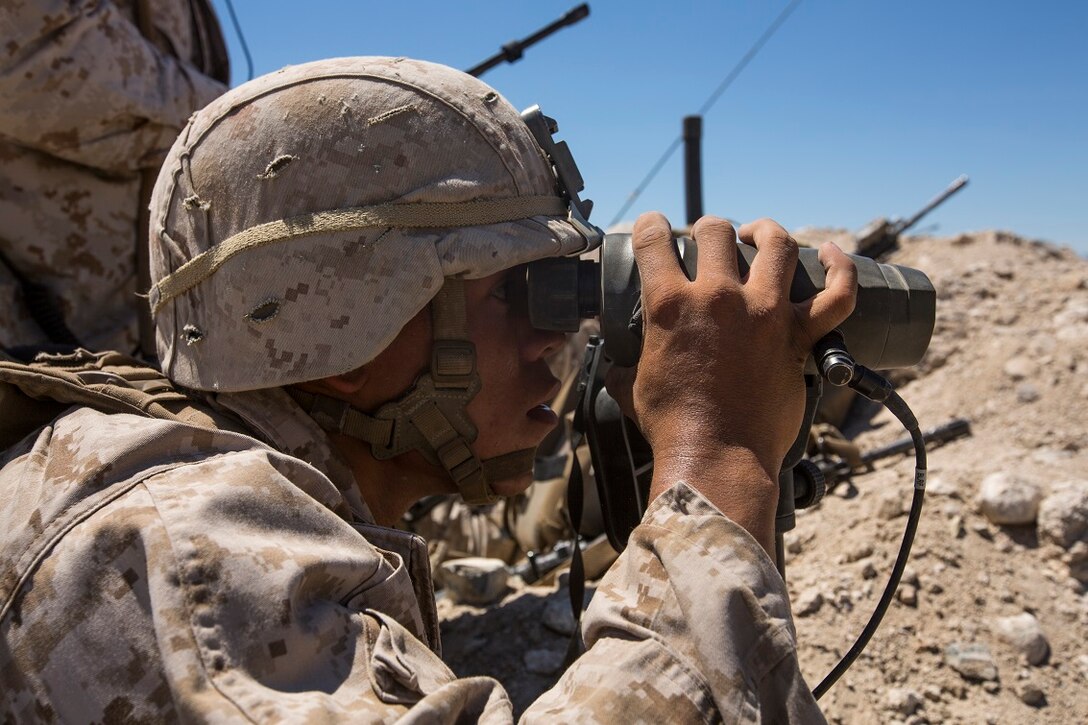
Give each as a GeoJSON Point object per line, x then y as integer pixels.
{"type": "Point", "coordinates": [693, 167]}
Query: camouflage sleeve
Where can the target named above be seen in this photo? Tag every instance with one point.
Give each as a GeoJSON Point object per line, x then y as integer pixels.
{"type": "Point", "coordinates": [692, 624]}
{"type": "Point", "coordinates": [217, 586]}
{"type": "Point", "coordinates": [81, 83]}
{"type": "Point", "coordinates": [163, 572]}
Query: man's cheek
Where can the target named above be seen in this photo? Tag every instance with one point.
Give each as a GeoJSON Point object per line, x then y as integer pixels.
{"type": "Point", "coordinates": [513, 486]}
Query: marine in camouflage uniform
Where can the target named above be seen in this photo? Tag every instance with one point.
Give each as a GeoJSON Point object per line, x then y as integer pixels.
{"type": "Point", "coordinates": [94, 95]}
{"type": "Point", "coordinates": [229, 563]}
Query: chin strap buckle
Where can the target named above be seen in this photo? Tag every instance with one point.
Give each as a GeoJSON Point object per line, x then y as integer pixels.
{"type": "Point", "coordinates": [453, 364]}
{"type": "Point", "coordinates": [459, 460]}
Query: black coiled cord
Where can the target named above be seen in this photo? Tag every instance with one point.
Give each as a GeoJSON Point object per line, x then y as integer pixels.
{"type": "Point", "coordinates": [876, 388]}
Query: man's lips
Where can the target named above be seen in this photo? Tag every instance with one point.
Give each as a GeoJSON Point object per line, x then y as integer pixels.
{"type": "Point", "coordinates": [542, 412]}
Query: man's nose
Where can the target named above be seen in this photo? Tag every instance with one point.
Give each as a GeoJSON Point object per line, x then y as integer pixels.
{"type": "Point", "coordinates": [539, 344]}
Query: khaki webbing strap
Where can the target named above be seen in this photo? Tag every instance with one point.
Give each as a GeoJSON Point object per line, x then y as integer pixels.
{"type": "Point", "coordinates": [358, 424]}
{"type": "Point", "coordinates": [453, 368]}
{"type": "Point", "coordinates": [471, 475]}
{"type": "Point", "coordinates": [397, 216]}
{"type": "Point", "coordinates": [339, 416]}
{"type": "Point", "coordinates": [510, 464]}
{"type": "Point", "coordinates": [448, 314]}
{"type": "Point", "coordinates": [108, 382]}
{"type": "Point", "coordinates": [453, 357]}
{"type": "Point", "coordinates": [453, 451]}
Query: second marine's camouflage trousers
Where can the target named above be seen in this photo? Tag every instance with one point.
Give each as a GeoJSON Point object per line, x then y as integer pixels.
{"type": "Point", "coordinates": [94, 95]}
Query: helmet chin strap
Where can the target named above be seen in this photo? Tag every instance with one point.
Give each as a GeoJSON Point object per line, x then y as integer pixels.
{"type": "Point", "coordinates": [432, 417]}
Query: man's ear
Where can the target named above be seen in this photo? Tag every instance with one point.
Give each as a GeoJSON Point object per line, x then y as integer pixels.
{"type": "Point", "coordinates": [347, 383]}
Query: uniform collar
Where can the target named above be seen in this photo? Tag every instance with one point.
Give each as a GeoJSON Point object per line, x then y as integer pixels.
{"type": "Point", "coordinates": [279, 421]}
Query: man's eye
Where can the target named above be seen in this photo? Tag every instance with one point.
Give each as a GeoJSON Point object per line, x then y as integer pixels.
{"type": "Point", "coordinates": [501, 291]}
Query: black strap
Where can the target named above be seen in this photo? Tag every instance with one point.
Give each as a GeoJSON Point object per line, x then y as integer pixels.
{"type": "Point", "coordinates": [576, 578]}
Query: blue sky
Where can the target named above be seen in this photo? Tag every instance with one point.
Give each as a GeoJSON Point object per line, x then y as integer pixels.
{"type": "Point", "coordinates": [854, 109]}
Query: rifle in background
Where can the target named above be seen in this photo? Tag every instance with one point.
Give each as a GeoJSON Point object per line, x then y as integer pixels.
{"type": "Point", "coordinates": [881, 237]}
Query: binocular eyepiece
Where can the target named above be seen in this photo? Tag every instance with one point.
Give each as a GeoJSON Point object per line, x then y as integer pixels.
{"type": "Point", "coordinates": [890, 326]}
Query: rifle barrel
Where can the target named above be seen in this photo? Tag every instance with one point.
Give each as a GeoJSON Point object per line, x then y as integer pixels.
{"type": "Point", "coordinates": [936, 201]}
{"type": "Point", "coordinates": [953, 429]}
{"type": "Point", "coordinates": [537, 566]}
{"type": "Point", "coordinates": [513, 50]}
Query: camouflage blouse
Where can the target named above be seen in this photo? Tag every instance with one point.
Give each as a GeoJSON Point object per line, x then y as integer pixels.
{"type": "Point", "coordinates": [156, 571]}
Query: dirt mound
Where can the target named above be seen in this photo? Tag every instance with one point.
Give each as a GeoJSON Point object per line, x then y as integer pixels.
{"type": "Point", "coordinates": [1009, 353]}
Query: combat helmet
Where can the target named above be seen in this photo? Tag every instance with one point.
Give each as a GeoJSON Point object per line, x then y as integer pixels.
{"type": "Point", "coordinates": [303, 218]}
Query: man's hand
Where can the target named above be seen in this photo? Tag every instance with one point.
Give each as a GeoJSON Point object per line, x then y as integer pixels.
{"type": "Point", "coordinates": [719, 390]}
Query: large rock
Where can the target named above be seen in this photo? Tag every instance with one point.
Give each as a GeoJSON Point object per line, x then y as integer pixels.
{"type": "Point", "coordinates": [1082, 664]}
{"type": "Point", "coordinates": [891, 506]}
{"type": "Point", "coordinates": [1009, 499]}
{"type": "Point", "coordinates": [1063, 515]}
{"type": "Point", "coordinates": [1020, 367]}
{"type": "Point", "coordinates": [809, 602]}
{"type": "Point", "coordinates": [1031, 694]}
{"type": "Point", "coordinates": [1074, 313]}
{"type": "Point", "coordinates": [543, 661]}
{"type": "Point", "coordinates": [475, 580]}
{"type": "Point", "coordinates": [1025, 634]}
{"type": "Point", "coordinates": [1077, 560]}
{"type": "Point", "coordinates": [1027, 393]}
{"type": "Point", "coordinates": [903, 701]}
{"type": "Point", "coordinates": [973, 661]}
{"type": "Point", "coordinates": [558, 616]}
{"type": "Point", "coordinates": [859, 552]}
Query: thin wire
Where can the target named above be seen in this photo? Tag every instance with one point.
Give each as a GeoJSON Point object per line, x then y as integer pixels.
{"type": "Point", "coordinates": [649, 177]}
{"type": "Point", "coordinates": [732, 76]}
{"type": "Point", "coordinates": [898, 407]}
{"type": "Point", "coordinates": [770, 31]}
{"type": "Point", "coordinates": [241, 39]}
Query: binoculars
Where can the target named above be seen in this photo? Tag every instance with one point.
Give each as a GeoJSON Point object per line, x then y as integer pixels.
{"type": "Point", "coordinates": [890, 326]}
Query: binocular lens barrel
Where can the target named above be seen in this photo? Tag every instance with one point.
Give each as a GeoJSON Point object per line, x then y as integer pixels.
{"type": "Point", "coordinates": [890, 327]}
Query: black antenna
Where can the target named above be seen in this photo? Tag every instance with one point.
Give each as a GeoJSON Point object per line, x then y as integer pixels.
{"type": "Point", "coordinates": [693, 168]}
{"type": "Point", "coordinates": [241, 39]}
{"type": "Point", "coordinates": [512, 51]}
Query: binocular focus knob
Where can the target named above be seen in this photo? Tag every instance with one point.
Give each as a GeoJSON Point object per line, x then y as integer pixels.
{"type": "Point", "coordinates": [809, 484]}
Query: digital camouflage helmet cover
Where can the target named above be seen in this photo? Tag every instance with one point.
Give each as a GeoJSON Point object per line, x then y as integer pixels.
{"type": "Point", "coordinates": [303, 218]}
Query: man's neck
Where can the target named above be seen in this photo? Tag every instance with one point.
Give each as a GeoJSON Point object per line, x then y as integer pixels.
{"type": "Point", "coordinates": [389, 487]}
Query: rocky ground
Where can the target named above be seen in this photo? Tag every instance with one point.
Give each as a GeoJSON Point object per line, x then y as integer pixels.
{"type": "Point", "coordinates": [991, 621]}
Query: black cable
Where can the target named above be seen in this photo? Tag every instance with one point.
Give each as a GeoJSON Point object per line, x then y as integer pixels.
{"type": "Point", "coordinates": [710, 101]}
{"type": "Point", "coordinates": [241, 39]}
{"type": "Point", "coordinates": [576, 580]}
{"type": "Point", "coordinates": [900, 410]}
